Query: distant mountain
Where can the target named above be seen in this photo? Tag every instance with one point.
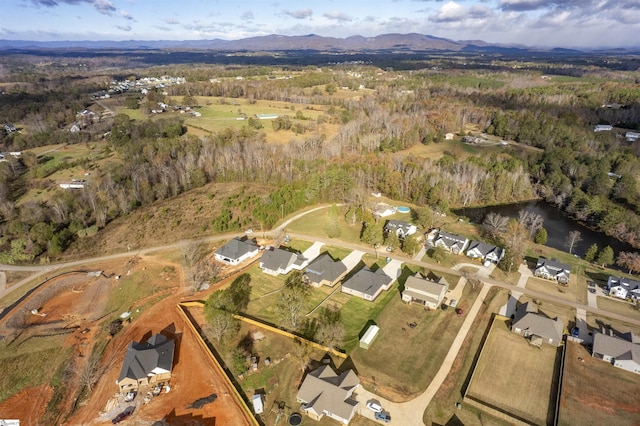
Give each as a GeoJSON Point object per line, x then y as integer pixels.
{"type": "Point", "coordinates": [312, 42]}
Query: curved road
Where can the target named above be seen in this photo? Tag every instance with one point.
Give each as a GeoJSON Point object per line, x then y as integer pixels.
{"type": "Point", "coordinates": [406, 413]}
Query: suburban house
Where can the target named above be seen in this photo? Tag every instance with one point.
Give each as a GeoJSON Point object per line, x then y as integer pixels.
{"type": "Point", "coordinates": [146, 363]}
{"type": "Point", "coordinates": [537, 328]}
{"type": "Point", "coordinates": [367, 284]}
{"type": "Point", "coordinates": [278, 261]}
{"type": "Point", "coordinates": [401, 228]}
{"type": "Point", "coordinates": [324, 271]}
{"type": "Point", "coordinates": [622, 352]}
{"type": "Point", "coordinates": [623, 288]}
{"type": "Point", "coordinates": [325, 393]}
{"type": "Point", "coordinates": [236, 251]}
{"type": "Point", "coordinates": [485, 252]}
{"type": "Point", "coordinates": [425, 292]}
{"type": "Point", "coordinates": [551, 269]}
{"type": "Point", "coordinates": [450, 242]}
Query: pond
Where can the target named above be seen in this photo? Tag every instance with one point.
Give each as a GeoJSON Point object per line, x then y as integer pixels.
{"type": "Point", "coordinates": [557, 225]}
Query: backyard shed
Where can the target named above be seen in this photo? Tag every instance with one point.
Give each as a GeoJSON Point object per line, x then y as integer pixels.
{"type": "Point", "coordinates": [258, 407]}
{"type": "Point", "coordinates": [369, 336]}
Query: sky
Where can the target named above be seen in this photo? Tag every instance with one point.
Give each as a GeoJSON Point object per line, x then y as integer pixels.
{"type": "Point", "coordinates": [535, 23]}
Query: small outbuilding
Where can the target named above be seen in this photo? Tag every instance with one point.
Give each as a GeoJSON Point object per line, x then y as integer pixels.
{"type": "Point", "coordinates": [369, 336]}
{"type": "Point", "coordinates": [258, 406]}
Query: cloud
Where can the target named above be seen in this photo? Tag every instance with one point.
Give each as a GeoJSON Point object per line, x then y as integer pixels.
{"type": "Point", "coordinates": [454, 13]}
{"type": "Point", "coordinates": [103, 6]}
{"type": "Point", "coordinates": [338, 16]}
{"type": "Point", "coordinates": [247, 16]}
{"type": "Point", "coordinates": [299, 14]}
{"type": "Point", "coordinates": [124, 27]}
{"type": "Point", "coordinates": [126, 15]}
{"type": "Point", "coordinates": [171, 21]}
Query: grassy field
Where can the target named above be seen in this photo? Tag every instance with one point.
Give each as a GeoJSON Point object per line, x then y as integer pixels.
{"type": "Point", "coordinates": [519, 380]}
{"type": "Point", "coordinates": [442, 408]}
{"type": "Point", "coordinates": [316, 224]}
{"type": "Point", "coordinates": [406, 370]}
{"type": "Point", "coordinates": [613, 401]}
{"type": "Point", "coordinates": [619, 307]}
{"type": "Point", "coordinates": [553, 288]}
{"type": "Point", "coordinates": [30, 364]}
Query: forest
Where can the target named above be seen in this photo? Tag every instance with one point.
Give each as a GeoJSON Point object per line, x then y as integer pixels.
{"type": "Point", "coordinates": [385, 124]}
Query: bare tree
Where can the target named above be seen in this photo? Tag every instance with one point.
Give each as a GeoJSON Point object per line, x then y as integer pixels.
{"type": "Point", "coordinates": [292, 299]}
{"type": "Point", "coordinates": [220, 324]}
{"type": "Point", "coordinates": [572, 239]}
{"type": "Point", "coordinates": [89, 372]}
{"type": "Point", "coordinates": [495, 223]}
{"type": "Point", "coordinates": [531, 221]}
{"type": "Point", "coordinates": [629, 260]}
{"type": "Point", "coordinates": [515, 240]}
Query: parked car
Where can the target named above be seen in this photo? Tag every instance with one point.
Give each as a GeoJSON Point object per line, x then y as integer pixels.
{"type": "Point", "coordinates": [459, 312]}
{"type": "Point", "coordinates": [453, 303]}
{"type": "Point", "coordinates": [374, 406]}
{"type": "Point", "coordinates": [383, 416]}
{"type": "Point", "coordinates": [126, 413]}
{"type": "Point", "coordinates": [575, 332]}
{"type": "Point", "coordinates": [130, 396]}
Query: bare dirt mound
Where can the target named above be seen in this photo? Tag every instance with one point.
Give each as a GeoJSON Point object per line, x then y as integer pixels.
{"type": "Point", "coordinates": [28, 406]}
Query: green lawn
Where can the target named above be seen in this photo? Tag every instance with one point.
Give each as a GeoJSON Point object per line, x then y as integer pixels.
{"type": "Point", "coordinates": [613, 401]}
{"type": "Point", "coordinates": [515, 376]}
{"type": "Point", "coordinates": [132, 288]}
{"type": "Point", "coordinates": [402, 361]}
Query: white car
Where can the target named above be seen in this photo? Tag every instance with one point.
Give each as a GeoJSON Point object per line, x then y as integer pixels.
{"type": "Point", "coordinates": [453, 303]}
{"type": "Point", "coordinates": [374, 406]}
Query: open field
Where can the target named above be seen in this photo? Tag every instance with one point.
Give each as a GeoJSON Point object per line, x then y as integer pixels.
{"type": "Point", "coordinates": [619, 306]}
{"type": "Point", "coordinates": [442, 408]}
{"type": "Point", "coordinates": [614, 400]}
{"type": "Point", "coordinates": [519, 381]}
{"type": "Point", "coordinates": [404, 372]}
{"type": "Point", "coordinates": [553, 288]}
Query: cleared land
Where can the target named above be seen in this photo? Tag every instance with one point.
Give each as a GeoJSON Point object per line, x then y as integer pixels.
{"type": "Point", "coordinates": [614, 400]}
{"type": "Point", "coordinates": [518, 381]}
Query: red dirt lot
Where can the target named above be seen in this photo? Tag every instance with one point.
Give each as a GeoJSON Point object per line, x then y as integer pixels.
{"type": "Point", "coordinates": [37, 398]}
{"type": "Point", "coordinates": [194, 376]}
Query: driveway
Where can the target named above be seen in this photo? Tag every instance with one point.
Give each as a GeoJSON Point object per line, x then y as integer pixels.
{"type": "Point", "coordinates": [393, 269]}
{"type": "Point", "coordinates": [313, 251]}
{"type": "Point", "coordinates": [509, 308]}
{"type": "Point", "coordinates": [581, 323]}
{"type": "Point", "coordinates": [352, 259]}
{"type": "Point", "coordinates": [592, 298]}
{"type": "Point", "coordinates": [456, 293]}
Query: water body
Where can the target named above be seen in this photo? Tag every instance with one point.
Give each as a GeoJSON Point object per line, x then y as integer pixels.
{"type": "Point", "coordinates": [557, 225]}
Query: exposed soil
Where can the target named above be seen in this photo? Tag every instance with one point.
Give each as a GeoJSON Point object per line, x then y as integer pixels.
{"type": "Point", "coordinates": [36, 399]}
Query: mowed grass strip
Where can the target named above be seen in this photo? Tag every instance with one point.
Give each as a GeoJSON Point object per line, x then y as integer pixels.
{"type": "Point", "coordinates": [553, 288]}
{"type": "Point", "coordinates": [513, 375]}
{"type": "Point", "coordinates": [614, 400]}
{"type": "Point", "coordinates": [619, 307]}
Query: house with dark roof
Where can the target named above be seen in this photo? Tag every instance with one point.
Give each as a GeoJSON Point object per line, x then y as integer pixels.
{"type": "Point", "coordinates": [325, 393]}
{"type": "Point", "coordinates": [485, 252]}
{"type": "Point", "coordinates": [324, 271]}
{"type": "Point", "coordinates": [451, 242]}
{"type": "Point", "coordinates": [401, 228]}
{"type": "Point", "coordinates": [236, 251]}
{"type": "Point", "coordinates": [367, 284]}
{"type": "Point", "coordinates": [146, 363]}
{"type": "Point", "coordinates": [277, 261]}
{"type": "Point", "coordinates": [623, 288]}
{"type": "Point", "coordinates": [551, 269]}
{"type": "Point", "coordinates": [423, 291]}
{"type": "Point", "coordinates": [537, 328]}
{"type": "Point", "coordinates": [622, 352]}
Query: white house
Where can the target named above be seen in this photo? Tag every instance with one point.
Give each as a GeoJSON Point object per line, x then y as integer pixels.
{"type": "Point", "coordinates": [280, 262]}
{"type": "Point", "coordinates": [622, 352]}
{"type": "Point", "coordinates": [551, 269]}
{"type": "Point", "coordinates": [236, 251]}
{"type": "Point", "coordinates": [485, 252]}
{"type": "Point", "coordinates": [623, 288]}
{"type": "Point", "coordinates": [425, 292]}
{"type": "Point", "coordinates": [450, 242]}
{"type": "Point", "coordinates": [603, 128]}
{"type": "Point", "coordinates": [383, 210]}
{"type": "Point", "coordinates": [401, 228]}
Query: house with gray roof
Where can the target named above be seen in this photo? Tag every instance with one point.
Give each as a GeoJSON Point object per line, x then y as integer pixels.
{"type": "Point", "coordinates": [401, 228]}
{"type": "Point", "coordinates": [623, 288]}
{"type": "Point", "coordinates": [622, 352]}
{"type": "Point", "coordinates": [325, 393]}
{"type": "Point", "coordinates": [485, 252]}
{"type": "Point", "coordinates": [537, 328]}
{"type": "Point", "coordinates": [551, 269]}
{"type": "Point", "coordinates": [277, 261]}
{"type": "Point", "coordinates": [367, 284]}
{"type": "Point", "coordinates": [324, 271]}
{"type": "Point", "coordinates": [146, 363]}
{"type": "Point", "coordinates": [236, 251]}
{"type": "Point", "coordinates": [452, 243]}
{"type": "Point", "coordinates": [423, 291]}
